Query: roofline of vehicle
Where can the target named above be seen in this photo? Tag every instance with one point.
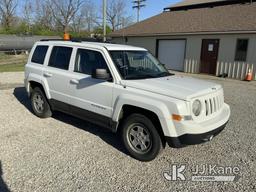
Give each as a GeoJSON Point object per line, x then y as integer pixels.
{"type": "Point", "coordinates": [96, 44]}
{"type": "Point", "coordinates": [79, 40]}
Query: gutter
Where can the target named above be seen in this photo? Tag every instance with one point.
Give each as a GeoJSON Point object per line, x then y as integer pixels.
{"type": "Point", "coordinates": [186, 33]}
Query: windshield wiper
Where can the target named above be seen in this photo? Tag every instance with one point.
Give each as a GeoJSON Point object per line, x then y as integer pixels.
{"type": "Point", "coordinates": [164, 74]}
{"type": "Point", "coordinates": [144, 76]}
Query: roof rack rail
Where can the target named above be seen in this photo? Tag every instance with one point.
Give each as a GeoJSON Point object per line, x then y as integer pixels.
{"type": "Point", "coordinates": [75, 40]}
{"type": "Point", "coordinates": [51, 40]}
{"type": "Point", "coordinates": [72, 40]}
{"type": "Point", "coordinates": [88, 39]}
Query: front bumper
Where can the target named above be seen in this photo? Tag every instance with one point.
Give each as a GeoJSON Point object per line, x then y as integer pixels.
{"type": "Point", "coordinates": [192, 139]}
{"type": "Point", "coordinates": [195, 133]}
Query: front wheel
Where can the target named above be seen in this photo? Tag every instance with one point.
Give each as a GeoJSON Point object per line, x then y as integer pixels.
{"type": "Point", "coordinates": [141, 138]}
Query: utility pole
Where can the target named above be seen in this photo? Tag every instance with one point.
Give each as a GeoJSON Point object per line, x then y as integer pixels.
{"type": "Point", "coordinates": [138, 5]}
{"type": "Point", "coordinates": [104, 20]}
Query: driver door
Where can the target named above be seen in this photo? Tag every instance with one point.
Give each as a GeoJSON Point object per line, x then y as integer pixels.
{"type": "Point", "coordinates": [92, 98]}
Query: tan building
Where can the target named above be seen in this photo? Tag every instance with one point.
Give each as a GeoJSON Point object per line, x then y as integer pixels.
{"type": "Point", "coordinates": [200, 36]}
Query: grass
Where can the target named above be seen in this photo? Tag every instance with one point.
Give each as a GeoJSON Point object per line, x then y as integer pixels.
{"type": "Point", "coordinates": [12, 67]}
{"type": "Point", "coordinates": [4, 56]}
{"type": "Point", "coordinates": [12, 63]}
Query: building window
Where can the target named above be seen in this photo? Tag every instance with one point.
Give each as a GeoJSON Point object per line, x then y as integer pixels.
{"type": "Point", "coordinates": [241, 49]}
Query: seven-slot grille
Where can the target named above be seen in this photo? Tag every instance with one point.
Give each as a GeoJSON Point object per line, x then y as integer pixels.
{"type": "Point", "coordinates": [214, 103]}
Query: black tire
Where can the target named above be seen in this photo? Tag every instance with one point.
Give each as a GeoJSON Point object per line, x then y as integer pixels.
{"type": "Point", "coordinates": [153, 145]}
{"type": "Point", "coordinates": [41, 109]}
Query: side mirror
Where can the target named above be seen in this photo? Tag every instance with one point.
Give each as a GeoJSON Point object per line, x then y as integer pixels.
{"type": "Point", "coordinates": [101, 74]}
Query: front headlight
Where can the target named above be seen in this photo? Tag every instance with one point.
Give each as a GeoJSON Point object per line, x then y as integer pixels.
{"type": "Point", "coordinates": [196, 107]}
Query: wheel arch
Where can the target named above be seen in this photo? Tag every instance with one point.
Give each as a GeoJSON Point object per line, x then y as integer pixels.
{"type": "Point", "coordinates": [128, 109]}
{"type": "Point", "coordinates": [35, 80]}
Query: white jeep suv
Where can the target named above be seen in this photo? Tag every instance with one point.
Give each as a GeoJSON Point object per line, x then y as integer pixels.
{"type": "Point", "coordinates": [124, 88]}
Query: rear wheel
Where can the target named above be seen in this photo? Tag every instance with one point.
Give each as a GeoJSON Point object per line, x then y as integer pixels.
{"type": "Point", "coordinates": [40, 105]}
{"type": "Point", "coordinates": [141, 138]}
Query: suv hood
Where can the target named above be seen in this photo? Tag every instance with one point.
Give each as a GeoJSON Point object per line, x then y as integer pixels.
{"type": "Point", "coordinates": [185, 88]}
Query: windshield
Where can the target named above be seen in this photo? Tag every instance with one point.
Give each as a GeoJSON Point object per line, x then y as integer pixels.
{"type": "Point", "coordinates": [138, 65]}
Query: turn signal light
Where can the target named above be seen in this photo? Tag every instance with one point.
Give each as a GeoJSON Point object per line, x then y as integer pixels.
{"type": "Point", "coordinates": [176, 117]}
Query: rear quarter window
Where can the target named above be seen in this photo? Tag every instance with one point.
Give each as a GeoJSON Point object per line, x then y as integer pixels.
{"type": "Point", "coordinates": [60, 57]}
{"type": "Point", "coordinates": [39, 54]}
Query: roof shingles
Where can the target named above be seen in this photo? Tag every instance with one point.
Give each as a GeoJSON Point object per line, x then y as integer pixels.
{"type": "Point", "coordinates": [228, 18]}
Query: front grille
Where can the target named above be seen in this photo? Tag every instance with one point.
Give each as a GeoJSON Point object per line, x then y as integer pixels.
{"type": "Point", "coordinates": [213, 104]}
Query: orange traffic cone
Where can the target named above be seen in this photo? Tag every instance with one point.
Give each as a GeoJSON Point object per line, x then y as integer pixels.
{"type": "Point", "coordinates": [249, 75]}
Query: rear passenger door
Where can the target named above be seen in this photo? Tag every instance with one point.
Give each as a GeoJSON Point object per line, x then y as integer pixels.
{"type": "Point", "coordinates": [92, 98]}
{"type": "Point", "coordinates": [56, 74]}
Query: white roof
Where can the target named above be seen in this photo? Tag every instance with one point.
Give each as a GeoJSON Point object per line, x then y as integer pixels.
{"type": "Point", "coordinates": [108, 46]}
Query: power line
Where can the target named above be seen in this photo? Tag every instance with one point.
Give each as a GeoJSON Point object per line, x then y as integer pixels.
{"type": "Point", "coordinates": [138, 4]}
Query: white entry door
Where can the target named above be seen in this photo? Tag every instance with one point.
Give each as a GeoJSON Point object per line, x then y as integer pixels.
{"type": "Point", "coordinates": [172, 53]}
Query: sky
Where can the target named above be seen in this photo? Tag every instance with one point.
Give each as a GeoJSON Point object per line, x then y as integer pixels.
{"type": "Point", "coordinates": [153, 7]}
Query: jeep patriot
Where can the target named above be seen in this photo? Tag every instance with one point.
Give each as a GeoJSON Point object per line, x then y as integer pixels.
{"type": "Point", "coordinates": [126, 90]}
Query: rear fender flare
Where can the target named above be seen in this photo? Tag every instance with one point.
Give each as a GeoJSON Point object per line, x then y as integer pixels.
{"type": "Point", "coordinates": [43, 82]}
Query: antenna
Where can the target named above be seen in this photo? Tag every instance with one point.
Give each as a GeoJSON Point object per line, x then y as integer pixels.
{"type": "Point", "coordinates": [138, 4]}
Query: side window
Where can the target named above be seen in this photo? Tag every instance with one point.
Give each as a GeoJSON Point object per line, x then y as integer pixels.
{"type": "Point", "coordinates": [241, 49]}
{"type": "Point", "coordinates": [88, 60]}
{"type": "Point", "coordinates": [39, 54]}
{"type": "Point", "coordinates": [60, 57]}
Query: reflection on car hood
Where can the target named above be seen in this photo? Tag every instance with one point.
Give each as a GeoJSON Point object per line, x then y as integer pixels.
{"type": "Point", "coordinates": [179, 87]}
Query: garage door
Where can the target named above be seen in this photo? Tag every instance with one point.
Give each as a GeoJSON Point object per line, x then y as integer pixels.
{"type": "Point", "coordinates": [171, 53]}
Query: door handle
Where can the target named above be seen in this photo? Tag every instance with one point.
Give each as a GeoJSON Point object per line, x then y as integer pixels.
{"type": "Point", "coordinates": [47, 74]}
{"type": "Point", "coordinates": [74, 81]}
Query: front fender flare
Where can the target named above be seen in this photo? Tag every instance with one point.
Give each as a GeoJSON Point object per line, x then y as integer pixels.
{"type": "Point", "coordinates": [157, 107]}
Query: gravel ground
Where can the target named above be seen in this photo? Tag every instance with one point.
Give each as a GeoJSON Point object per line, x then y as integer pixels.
{"type": "Point", "coordinates": [66, 154]}
{"type": "Point", "coordinates": [11, 80]}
